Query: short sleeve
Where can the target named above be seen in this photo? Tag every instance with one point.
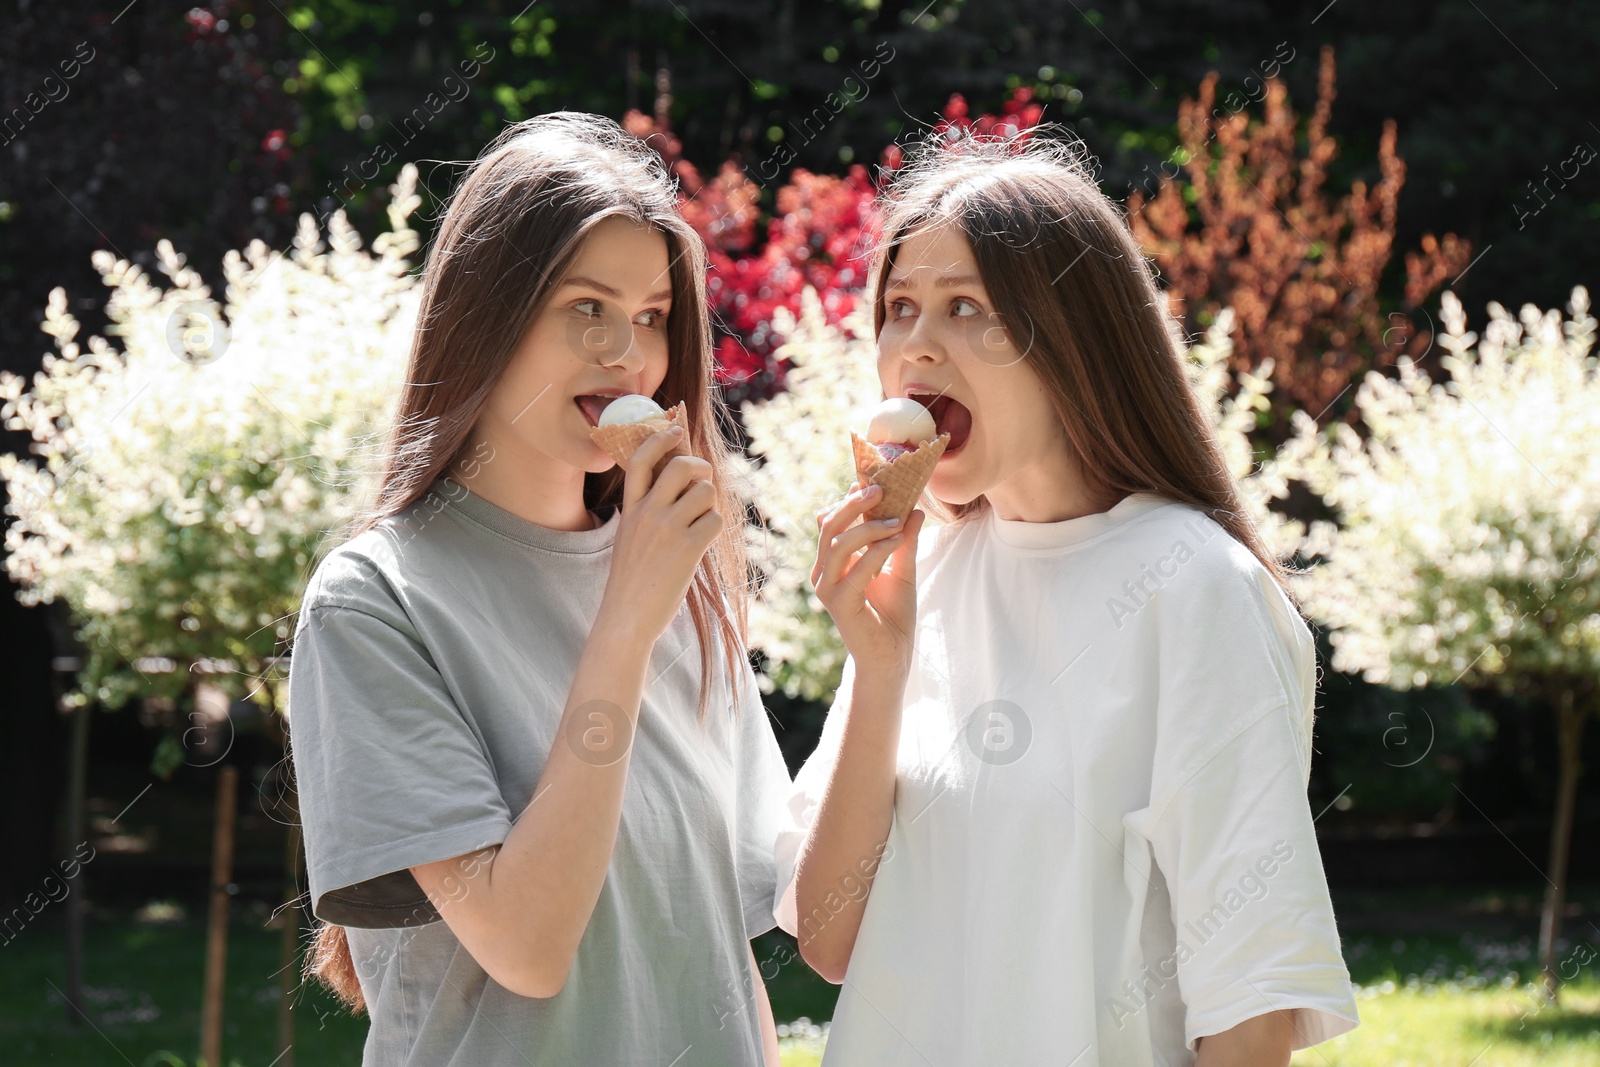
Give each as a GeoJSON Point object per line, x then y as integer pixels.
{"type": "Point", "coordinates": [390, 773]}
{"type": "Point", "coordinates": [1250, 901]}
{"type": "Point", "coordinates": [805, 797]}
{"type": "Point", "coordinates": [763, 793]}
{"type": "Point", "coordinates": [1229, 823]}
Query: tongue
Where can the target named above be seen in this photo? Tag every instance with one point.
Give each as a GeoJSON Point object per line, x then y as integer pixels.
{"type": "Point", "coordinates": [593, 407]}
{"type": "Point", "coordinates": [952, 417]}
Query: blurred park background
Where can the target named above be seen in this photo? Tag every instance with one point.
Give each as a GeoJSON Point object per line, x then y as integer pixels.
{"type": "Point", "coordinates": [1373, 227]}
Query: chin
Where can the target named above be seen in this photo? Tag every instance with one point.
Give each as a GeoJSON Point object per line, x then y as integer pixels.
{"type": "Point", "coordinates": [596, 460]}
{"type": "Point", "coordinates": [952, 491]}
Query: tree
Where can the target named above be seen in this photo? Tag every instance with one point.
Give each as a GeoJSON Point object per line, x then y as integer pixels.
{"type": "Point", "coordinates": [116, 125]}
{"type": "Point", "coordinates": [185, 481]}
{"type": "Point", "coordinates": [1254, 230]}
{"type": "Point", "coordinates": [1467, 541]}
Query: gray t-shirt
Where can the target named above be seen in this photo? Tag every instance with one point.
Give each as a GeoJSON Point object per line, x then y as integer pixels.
{"type": "Point", "coordinates": [432, 660]}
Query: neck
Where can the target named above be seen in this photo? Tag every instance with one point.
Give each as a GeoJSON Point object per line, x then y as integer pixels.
{"type": "Point", "coordinates": [1049, 489]}
{"type": "Point", "coordinates": [528, 484]}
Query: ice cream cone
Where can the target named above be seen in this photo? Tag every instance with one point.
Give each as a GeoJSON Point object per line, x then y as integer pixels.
{"type": "Point", "coordinates": [903, 479]}
{"type": "Point", "coordinates": [623, 440]}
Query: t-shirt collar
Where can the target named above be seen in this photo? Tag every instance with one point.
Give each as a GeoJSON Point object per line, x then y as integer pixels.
{"type": "Point", "coordinates": [476, 509]}
{"type": "Point", "coordinates": [1070, 533]}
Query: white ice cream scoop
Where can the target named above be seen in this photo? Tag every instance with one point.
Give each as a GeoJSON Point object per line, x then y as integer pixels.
{"type": "Point", "coordinates": [631, 408]}
{"type": "Point", "coordinates": [897, 421]}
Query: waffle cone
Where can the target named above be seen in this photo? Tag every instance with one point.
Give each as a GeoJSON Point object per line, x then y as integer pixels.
{"type": "Point", "coordinates": [903, 480]}
{"type": "Point", "coordinates": [624, 440]}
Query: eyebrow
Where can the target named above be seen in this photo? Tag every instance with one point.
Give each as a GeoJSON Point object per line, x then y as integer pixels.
{"type": "Point", "coordinates": [944, 281]}
{"type": "Point", "coordinates": [582, 281]}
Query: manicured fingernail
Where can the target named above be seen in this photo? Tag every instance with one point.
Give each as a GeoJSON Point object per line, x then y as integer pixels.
{"type": "Point", "coordinates": [677, 429]}
{"type": "Point", "coordinates": [891, 522]}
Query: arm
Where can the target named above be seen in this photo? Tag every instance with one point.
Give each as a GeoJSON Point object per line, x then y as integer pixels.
{"type": "Point", "coordinates": [522, 912]}
{"type": "Point", "coordinates": [1264, 1041]}
{"type": "Point", "coordinates": [521, 909]}
{"type": "Point", "coordinates": [875, 611]}
{"type": "Point", "coordinates": [769, 1028]}
{"type": "Point", "coordinates": [851, 827]}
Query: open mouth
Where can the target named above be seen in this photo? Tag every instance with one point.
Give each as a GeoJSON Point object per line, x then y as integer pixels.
{"type": "Point", "coordinates": [593, 405]}
{"type": "Point", "coordinates": [949, 416]}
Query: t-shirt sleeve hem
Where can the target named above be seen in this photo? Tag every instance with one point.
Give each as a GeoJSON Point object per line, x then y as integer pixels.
{"type": "Point", "coordinates": [1321, 1012]}
{"type": "Point", "coordinates": [338, 883]}
{"type": "Point", "coordinates": [757, 923]}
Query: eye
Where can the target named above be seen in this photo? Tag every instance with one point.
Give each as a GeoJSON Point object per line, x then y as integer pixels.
{"type": "Point", "coordinates": [964, 308]}
{"type": "Point", "coordinates": [651, 319]}
{"type": "Point", "coordinates": [587, 308]}
{"type": "Point", "coordinates": [899, 309]}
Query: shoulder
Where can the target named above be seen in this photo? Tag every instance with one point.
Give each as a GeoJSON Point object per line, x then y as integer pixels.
{"type": "Point", "coordinates": [362, 573]}
{"type": "Point", "coordinates": [1208, 596]}
{"type": "Point", "coordinates": [1224, 614]}
{"type": "Point", "coordinates": [356, 607]}
{"type": "Point", "coordinates": [1202, 566]}
{"type": "Point", "coordinates": [381, 572]}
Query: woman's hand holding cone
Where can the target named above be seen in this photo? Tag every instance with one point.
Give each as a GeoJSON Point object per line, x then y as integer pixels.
{"type": "Point", "coordinates": [668, 522]}
{"type": "Point", "coordinates": [865, 576]}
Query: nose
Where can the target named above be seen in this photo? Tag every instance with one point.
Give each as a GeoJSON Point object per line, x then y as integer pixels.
{"type": "Point", "coordinates": [609, 342]}
{"type": "Point", "coordinates": [922, 343]}
{"type": "Point", "coordinates": [626, 355]}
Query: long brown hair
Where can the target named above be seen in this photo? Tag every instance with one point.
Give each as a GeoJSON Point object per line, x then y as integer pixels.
{"type": "Point", "coordinates": [513, 227]}
{"type": "Point", "coordinates": [1079, 299]}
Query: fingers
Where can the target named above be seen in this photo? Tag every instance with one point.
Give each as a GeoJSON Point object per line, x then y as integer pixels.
{"type": "Point", "coordinates": [844, 547]}
{"type": "Point", "coordinates": [871, 562]}
{"type": "Point", "coordinates": [697, 500]}
{"type": "Point", "coordinates": [831, 522]}
{"type": "Point", "coordinates": [678, 475]}
{"type": "Point", "coordinates": [706, 528]}
{"type": "Point", "coordinates": [855, 487]}
{"type": "Point", "coordinates": [824, 512]}
{"type": "Point", "coordinates": [847, 590]}
{"type": "Point", "coordinates": [903, 565]}
{"type": "Point", "coordinates": [638, 479]}
{"type": "Point", "coordinates": [834, 520]}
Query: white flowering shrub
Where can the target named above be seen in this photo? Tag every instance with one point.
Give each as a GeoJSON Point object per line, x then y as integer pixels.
{"type": "Point", "coordinates": [1468, 513]}
{"type": "Point", "coordinates": [801, 439]}
{"type": "Point", "coordinates": [185, 475]}
{"type": "Point", "coordinates": [1468, 527]}
{"type": "Point", "coordinates": [1234, 402]}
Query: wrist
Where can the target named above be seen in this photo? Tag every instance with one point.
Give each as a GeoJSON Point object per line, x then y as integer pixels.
{"type": "Point", "coordinates": [622, 631]}
{"type": "Point", "coordinates": [881, 682]}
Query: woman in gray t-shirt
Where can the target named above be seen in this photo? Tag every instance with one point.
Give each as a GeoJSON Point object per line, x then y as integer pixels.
{"type": "Point", "coordinates": [519, 699]}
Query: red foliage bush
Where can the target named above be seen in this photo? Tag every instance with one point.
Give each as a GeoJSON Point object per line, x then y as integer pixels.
{"type": "Point", "coordinates": [821, 234]}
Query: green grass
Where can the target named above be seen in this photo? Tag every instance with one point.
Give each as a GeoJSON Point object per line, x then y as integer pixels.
{"type": "Point", "coordinates": [1429, 994]}
{"type": "Point", "coordinates": [1453, 1025]}
{"type": "Point", "coordinates": [142, 989]}
{"type": "Point", "coordinates": [1450, 1000]}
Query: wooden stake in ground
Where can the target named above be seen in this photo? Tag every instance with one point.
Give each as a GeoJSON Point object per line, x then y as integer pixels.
{"type": "Point", "coordinates": [1569, 735]}
{"type": "Point", "coordinates": [77, 775]}
{"type": "Point", "coordinates": [289, 951]}
{"type": "Point", "coordinates": [217, 934]}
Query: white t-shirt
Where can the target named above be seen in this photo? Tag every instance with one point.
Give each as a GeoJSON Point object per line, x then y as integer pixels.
{"type": "Point", "coordinates": [431, 665]}
{"type": "Point", "coordinates": [1101, 847]}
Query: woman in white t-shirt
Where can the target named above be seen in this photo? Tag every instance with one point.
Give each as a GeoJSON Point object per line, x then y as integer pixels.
{"type": "Point", "coordinates": [539, 792]}
{"type": "Point", "coordinates": [1058, 811]}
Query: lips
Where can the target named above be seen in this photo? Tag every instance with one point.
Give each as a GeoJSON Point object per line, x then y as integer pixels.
{"type": "Point", "coordinates": [950, 416]}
